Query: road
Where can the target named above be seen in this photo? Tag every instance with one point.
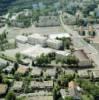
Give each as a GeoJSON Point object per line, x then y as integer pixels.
{"type": "Point", "coordinates": [79, 43]}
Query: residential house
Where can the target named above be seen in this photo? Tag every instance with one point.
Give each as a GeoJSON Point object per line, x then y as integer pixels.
{"type": "Point", "coordinates": [22, 70]}
{"type": "Point", "coordinates": [36, 72]}
{"type": "Point", "coordinates": [50, 73]}
{"type": "Point", "coordinates": [3, 89]}
{"type": "Point", "coordinates": [95, 74]}
{"type": "Point", "coordinates": [83, 74]}
{"type": "Point", "coordinates": [17, 86]}
{"type": "Point", "coordinates": [74, 90]}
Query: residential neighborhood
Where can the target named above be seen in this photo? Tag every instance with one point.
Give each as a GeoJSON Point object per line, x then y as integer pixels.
{"type": "Point", "coordinates": [49, 50]}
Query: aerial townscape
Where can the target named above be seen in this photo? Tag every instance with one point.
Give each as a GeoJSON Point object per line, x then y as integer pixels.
{"type": "Point", "coordinates": [49, 49]}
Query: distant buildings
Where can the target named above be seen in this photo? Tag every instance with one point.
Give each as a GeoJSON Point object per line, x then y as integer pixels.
{"type": "Point", "coordinates": [83, 74]}
{"type": "Point", "coordinates": [95, 74]}
{"type": "Point", "coordinates": [46, 21]}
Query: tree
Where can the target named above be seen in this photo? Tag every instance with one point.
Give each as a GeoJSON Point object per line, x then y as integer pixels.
{"type": "Point", "coordinates": [1, 78]}
{"type": "Point", "coordinates": [11, 96]}
{"type": "Point", "coordinates": [69, 98]}
{"type": "Point", "coordinates": [16, 66]}
{"type": "Point", "coordinates": [71, 60]}
{"type": "Point", "coordinates": [66, 42]}
{"type": "Point", "coordinates": [18, 57]}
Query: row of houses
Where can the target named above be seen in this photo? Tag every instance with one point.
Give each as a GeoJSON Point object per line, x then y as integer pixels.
{"type": "Point", "coordinates": [93, 74]}
{"type": "Point", "coordinates": [18, 86]}
{"type": "Point", "coordinates": [37, 96]}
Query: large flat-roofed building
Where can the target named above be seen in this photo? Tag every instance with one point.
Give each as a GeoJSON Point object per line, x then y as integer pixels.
{"type": "Point", "coordinates": [35, 51]}
{"type": "Point", "coordinates": [53, 43]}
{"type": "Point", "coordinates": [37, 39]}
{"type": "Point", "coordinates": [21, 39]}
{"type": "Point", "coordinates": [84, 60]}
{"type": "Point", "coordinates": [59, 35]}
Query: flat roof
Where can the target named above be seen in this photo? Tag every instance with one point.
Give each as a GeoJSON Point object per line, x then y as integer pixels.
{"type": "Point", "coordinates": [22, 38]}
{"type": "Point", "coordinates": [64, 53]}
{"type": "Point", "coordinates": [50, 72]}
{"type": "Point", "coordinates": [22, 70]}
{"type": "Point", "coordinates": [36, 51]}
{"type": "Point", "coordinates": [41, 84]}
{"type": "Point", "coordinates": [83, 73]}
{"type": "Point", "coordinates": [36, 71]}
{"type": "Point", "coordinates": [59, 35]}
{"type": "Point", "coordinates": [17, 85]}
{"type": "Point", "coordinates": [38, 36]}
{"type": "Point", "coordinates": [54, 41]}
{"type": "Point", "coordinates": [95, 73]}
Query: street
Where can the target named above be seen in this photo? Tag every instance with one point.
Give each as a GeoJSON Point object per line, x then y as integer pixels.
{"type": "Point", "coordinates": [79, 43]}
